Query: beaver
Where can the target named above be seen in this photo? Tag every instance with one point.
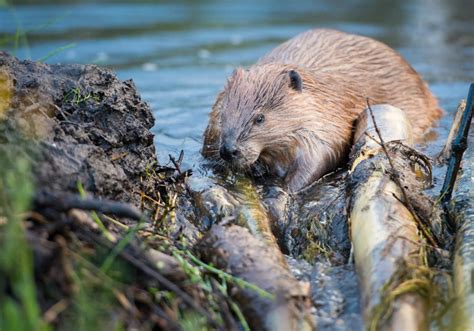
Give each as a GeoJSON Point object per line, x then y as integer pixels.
{"type": "Point", "coordinates": [293, 111]}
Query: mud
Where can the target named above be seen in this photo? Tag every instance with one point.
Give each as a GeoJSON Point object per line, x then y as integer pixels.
{"type": "Point", "coordinates": [80, 128]}
{"type": "Point", "coordinates": [317, 228]}
{"type": "Point", "coordinates": [81, 124]}
{"type": "Point", "coordinates": [88, 126]}
{"type": "Point", "coordinates": [336, 297]}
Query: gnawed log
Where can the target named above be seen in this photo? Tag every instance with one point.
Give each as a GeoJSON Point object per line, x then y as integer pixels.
{"type": "Point", "coordinates": [238, 203]}
{"type": "Point", "coordinates": [387, 246]}
{"type": "Point", "coordinates": [277, 301]}
{"type": "Point", "coordinates": [242, 243]}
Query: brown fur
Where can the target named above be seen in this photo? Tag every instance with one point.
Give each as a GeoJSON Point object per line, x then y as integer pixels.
{"type": "Point", "coordinates": [307, 133]}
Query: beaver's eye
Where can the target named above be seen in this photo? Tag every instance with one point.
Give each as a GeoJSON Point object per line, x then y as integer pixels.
{"type": "Point", "coordinates": [260, 119]}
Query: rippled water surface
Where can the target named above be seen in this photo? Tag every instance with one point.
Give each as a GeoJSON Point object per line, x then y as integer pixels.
{"type": "Point", "coordinates": [180, 53]}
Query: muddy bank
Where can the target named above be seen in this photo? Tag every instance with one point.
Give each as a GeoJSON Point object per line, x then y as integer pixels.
{"type": "Point", "coordinates": [98, 210]}
{"type": "Point", "coordinates": [81, 125]}
{"type": "Point", "coordinates": [86, 125]}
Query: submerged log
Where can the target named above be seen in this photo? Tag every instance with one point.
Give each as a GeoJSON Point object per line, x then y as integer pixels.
{"type": "Point", "coordinates": [387, 247]}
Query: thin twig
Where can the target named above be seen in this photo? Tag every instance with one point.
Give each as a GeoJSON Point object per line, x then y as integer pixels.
{"type": "Point", "coordinates": [443, 156]}
{"type": "Point", "coordinates": [55, 310]}
{"type": "Point", "coordinates": [396, 178]}
{"type": "Point", "coordinates": [177, 165]}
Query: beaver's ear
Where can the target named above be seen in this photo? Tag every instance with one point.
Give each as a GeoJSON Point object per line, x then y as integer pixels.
{"type": "Point", "coordinates": [296, 83]}
{"type": "Point", "coordinates": [236, 73]}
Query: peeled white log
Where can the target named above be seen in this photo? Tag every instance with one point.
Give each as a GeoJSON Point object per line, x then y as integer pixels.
{"type": "Point", "coordinates": [383, 231]}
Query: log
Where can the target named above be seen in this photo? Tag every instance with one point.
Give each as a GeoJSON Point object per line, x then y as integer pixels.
{"type": "Point", "coordinates": [241, 243]}
{"type": "Point", "coordinates": [463, 266]}
{"type": "Point", "coordinates": [387, 247]}
{"type": "Point", "coordinates": [277, 300]}
{"type": "Point", "coordinates": [238, 203]}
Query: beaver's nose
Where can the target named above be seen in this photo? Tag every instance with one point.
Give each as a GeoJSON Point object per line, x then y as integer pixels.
{"type": "Point", "coordinates": [229, 152]}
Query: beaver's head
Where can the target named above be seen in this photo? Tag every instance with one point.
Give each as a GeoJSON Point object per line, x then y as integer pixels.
{"type": "Point", "coordinates": [258, 114]}
{"type": "Point", "coordinates": [294, 121]}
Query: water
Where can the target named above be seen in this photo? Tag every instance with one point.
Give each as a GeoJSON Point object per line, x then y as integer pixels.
{"type": "Point", "coordinates": [180, 53]}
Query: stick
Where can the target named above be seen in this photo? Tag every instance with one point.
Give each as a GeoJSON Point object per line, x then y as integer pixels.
{"type": "Point", "coordinates": [458, 147]}
{"type": "Point", "coordinates": [177, 165]}
{"type": "Point", "coordinates": [443, 156]}
{"type": "Point", "coordinates": [67, 202]}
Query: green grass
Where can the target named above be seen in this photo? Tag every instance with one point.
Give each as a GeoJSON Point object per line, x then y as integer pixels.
{"type": "Point", "coordinates": [56, 51]}
{"type": "Point", "coordinates": [19, 40]}
{"type": "Point", "coordinates": [128, 237]}
{"type": "Point", "coordinates": [243, 284]}
{"type": "Point", "coordinates": [94, 215]}
{"type": "Point", "coordinates": [19, 309]}
{"type": "Point", "coordinates": [200, 273]}
{"type": "Point", "coordinates": [76, 96]}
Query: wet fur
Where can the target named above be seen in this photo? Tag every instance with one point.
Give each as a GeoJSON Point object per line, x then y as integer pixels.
{"type": "Point", "coordinates": [307, 130]}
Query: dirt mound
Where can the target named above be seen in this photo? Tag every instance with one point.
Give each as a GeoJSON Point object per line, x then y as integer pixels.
{"type": "Point", "coordinates": [85, 207]}
{"type": "Point", "coordinates": [90, 127]}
